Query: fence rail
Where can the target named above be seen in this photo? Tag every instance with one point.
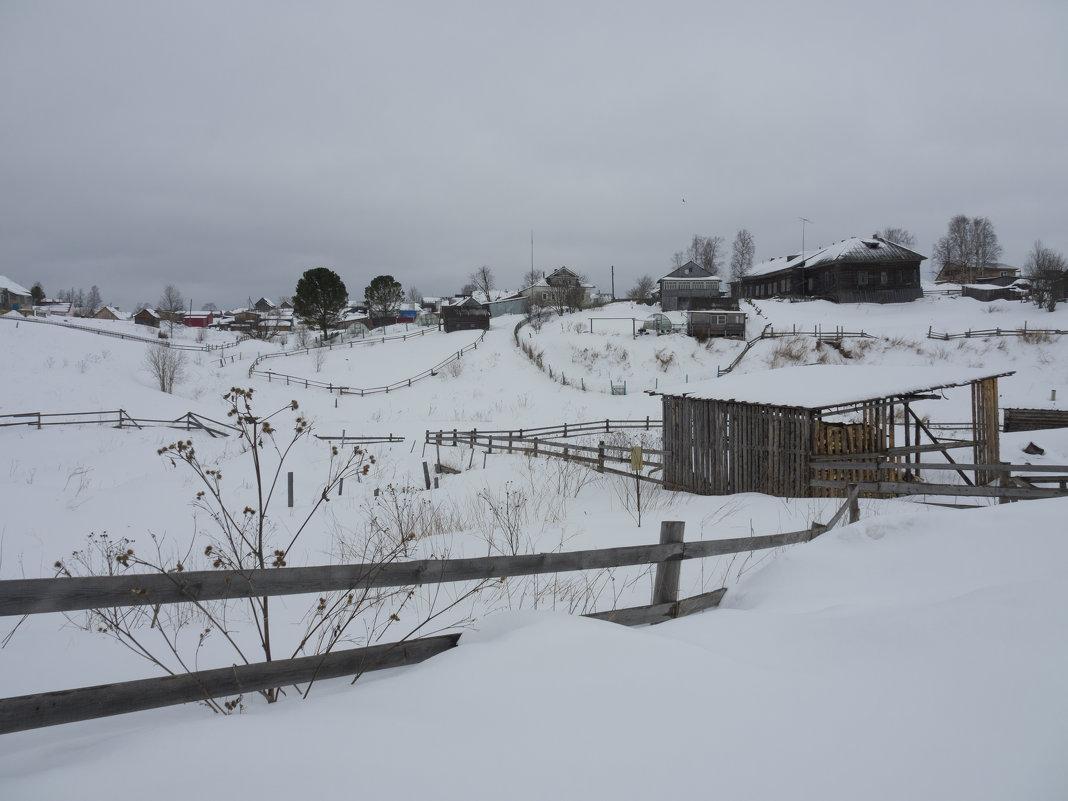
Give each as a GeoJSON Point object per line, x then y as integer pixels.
{"type": "Point", "coordinates": [837, 334]}
{"type": "Point", "coordinates": [118, 335]}
{"type": "Point", "coordinates": [1009, 486]}
{"type": "Point", "coordinates": [36, 596]}
{"type": "Point", "coordinates": [996, 332]}
{"type": "Point", "coordinates": [118, 418]}
{"type": "Point", "coordinates": [309, 383]}
{"type": "Point", "coordinates": [367, 340]}
{"type": "Point", "coordinates": [543, 442]}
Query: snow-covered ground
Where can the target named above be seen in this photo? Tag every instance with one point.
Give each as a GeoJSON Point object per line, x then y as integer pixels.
{"type": "Point", "coordinates": [918, 653]}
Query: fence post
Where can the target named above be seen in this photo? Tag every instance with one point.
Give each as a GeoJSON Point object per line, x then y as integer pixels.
{"type": "Point", "coordinates": [666, 583]}
{"type": "Point", "coordinates": [854, 504]}
{"type": "Point", "coordinates": [600, 456]}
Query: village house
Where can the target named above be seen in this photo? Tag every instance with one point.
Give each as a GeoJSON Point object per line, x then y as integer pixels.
{"type": "Point", "coordinates": [464, 315]}
{"type": "Point", "coordinates": [14, 296]}
{"type": "Point", "coordinates": [561, 288]}
{"type": "Point", "coordinates": [855, 270]}
{"type": "Point", "coordinates": [690, 286]}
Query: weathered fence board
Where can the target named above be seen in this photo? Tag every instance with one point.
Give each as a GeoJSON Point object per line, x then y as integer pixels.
{"type": "Point", "coordinates": [34, 596]}
{"type": "Point", "coordinates": [68, 706]}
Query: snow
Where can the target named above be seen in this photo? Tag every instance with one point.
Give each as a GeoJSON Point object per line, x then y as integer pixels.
{"type": "Point", "coordinates": [918, 653]}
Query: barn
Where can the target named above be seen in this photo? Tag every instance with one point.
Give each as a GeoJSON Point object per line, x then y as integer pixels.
{"type": "Point", "coordinates": [761, 432]}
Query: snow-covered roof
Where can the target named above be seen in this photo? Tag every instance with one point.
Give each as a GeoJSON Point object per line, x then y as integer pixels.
{"type": "Point", "coordinates": [824, 386]}
{"type": "Point", "coordinates": [12, 287]}
{"type": "Point", "coordinates": [690, 271]}
{"type": "Point", "coordinates": [853, 249]}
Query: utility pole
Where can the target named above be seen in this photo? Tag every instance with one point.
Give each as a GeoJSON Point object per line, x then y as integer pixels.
{"type": "Point", "coordinates": [613, 282]}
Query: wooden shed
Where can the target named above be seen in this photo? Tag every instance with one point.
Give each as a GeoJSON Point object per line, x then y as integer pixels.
{"type": "Point", "coordinates": [761, 432]}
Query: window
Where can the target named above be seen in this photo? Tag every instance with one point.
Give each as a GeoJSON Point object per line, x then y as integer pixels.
{"type": "Point", "coordinates": [862, 279]}
{"type": "Point", "coordinates": [884, 278]}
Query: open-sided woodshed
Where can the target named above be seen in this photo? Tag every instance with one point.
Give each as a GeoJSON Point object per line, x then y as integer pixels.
{"type": "Point", "coordinates": [759, 432]}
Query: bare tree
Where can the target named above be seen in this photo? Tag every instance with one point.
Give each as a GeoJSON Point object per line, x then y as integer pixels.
{"type": "Point", "coordinates": [166, 365]}
{"type": "Point", "coordinates": [742, 253]}
{"type": "Point", "coordinates": [171, 303]}
{"type": "Point", "coordinates": [707, 251]}
{"type": "Point", "coordinates": [414, 295]}
{"type": "Point", "coordinates": [92, 302]}
{"type": "Point", "coordinates": [483, 281]}
{"type": "Point", "coordinates": [678, 258]}
{"type": "Point", "coordinates": [1047, 270]}
{"type": "Point", "coordinates": [899, 236]}
{"type": "Point", "coordinates": [970, 244]}
{"type": "Point", "coordinates": [642, 290]}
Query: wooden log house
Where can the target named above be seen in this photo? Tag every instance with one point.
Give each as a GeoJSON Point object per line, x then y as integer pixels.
{"type": "Point", "coordinates": [761, 432]}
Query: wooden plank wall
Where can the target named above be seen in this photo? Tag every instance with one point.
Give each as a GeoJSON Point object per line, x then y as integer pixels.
{"type": "Point", "coordinates": [985, 428]}
{"type": "Point", "coordinates": [1035, 419]}
{"type": "Point", "coordinates": [722, 447]}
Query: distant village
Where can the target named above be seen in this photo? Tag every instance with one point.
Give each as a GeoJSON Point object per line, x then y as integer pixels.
{"type": "Point", "coordinates": [692, 298]}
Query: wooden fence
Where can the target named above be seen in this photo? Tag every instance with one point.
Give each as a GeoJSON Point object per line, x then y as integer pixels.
{"type": "Point", "coordinates": [1038, 333]}
{"type": "Point", "coordinates": [367, 340]}
{"type": "Point", "coordinates": [118, 335]}
{"type": "Point", "coordinates": [308, 383]}
{"type": "Point", "coordinates": [37, 596]}
{"type": "Point", "coordinates": [542, 441]}
{"type": "Point", "coordinates": [1015, 482]}
{"type": "Point", "coordinates": [117, 418]}
{"type": "Point", "coordinates": [837, 334]}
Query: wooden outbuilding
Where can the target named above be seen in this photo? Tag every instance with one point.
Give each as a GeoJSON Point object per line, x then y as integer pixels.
{"type": "Point", "coordinates": [764, 432]}
{"type": "Point", "coordinates": [719, 323]}
{"type": "Point", "coordinates": [108, 313]}
{"type": "Point", "coordinates": [466, 315]}
{"type": "Point", "coordinates": [147, 317]}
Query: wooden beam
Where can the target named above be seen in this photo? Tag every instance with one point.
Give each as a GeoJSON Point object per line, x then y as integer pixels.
{"type": "Point", "coordinates": [902, 488]}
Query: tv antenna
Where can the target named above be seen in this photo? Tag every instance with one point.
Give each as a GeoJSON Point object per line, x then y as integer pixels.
{"type": "Point", "coordinates": [803, 221]}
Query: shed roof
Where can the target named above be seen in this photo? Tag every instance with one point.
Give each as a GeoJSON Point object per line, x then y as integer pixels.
{"type": "Point", "coordinates": [828, 386]}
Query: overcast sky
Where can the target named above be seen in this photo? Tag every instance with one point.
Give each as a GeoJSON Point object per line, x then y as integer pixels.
{"type": "Point", "coordinates": [227, 147]}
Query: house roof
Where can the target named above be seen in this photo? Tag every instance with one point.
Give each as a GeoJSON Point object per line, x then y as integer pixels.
{"type": "Point", "coordinates": [12, 287]}
{"type": "Point", "coordinates": [854, 249]}
{"type": "Point", "coordinates": [827, 386]}
{"type": "Point", "coordinates": [151, 312]}
{"type": "Point", "coordinates": [691, 271]}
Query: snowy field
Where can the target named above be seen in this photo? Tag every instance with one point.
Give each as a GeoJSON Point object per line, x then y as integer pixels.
{"type": "Point", "coordinates": [919, 653]}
